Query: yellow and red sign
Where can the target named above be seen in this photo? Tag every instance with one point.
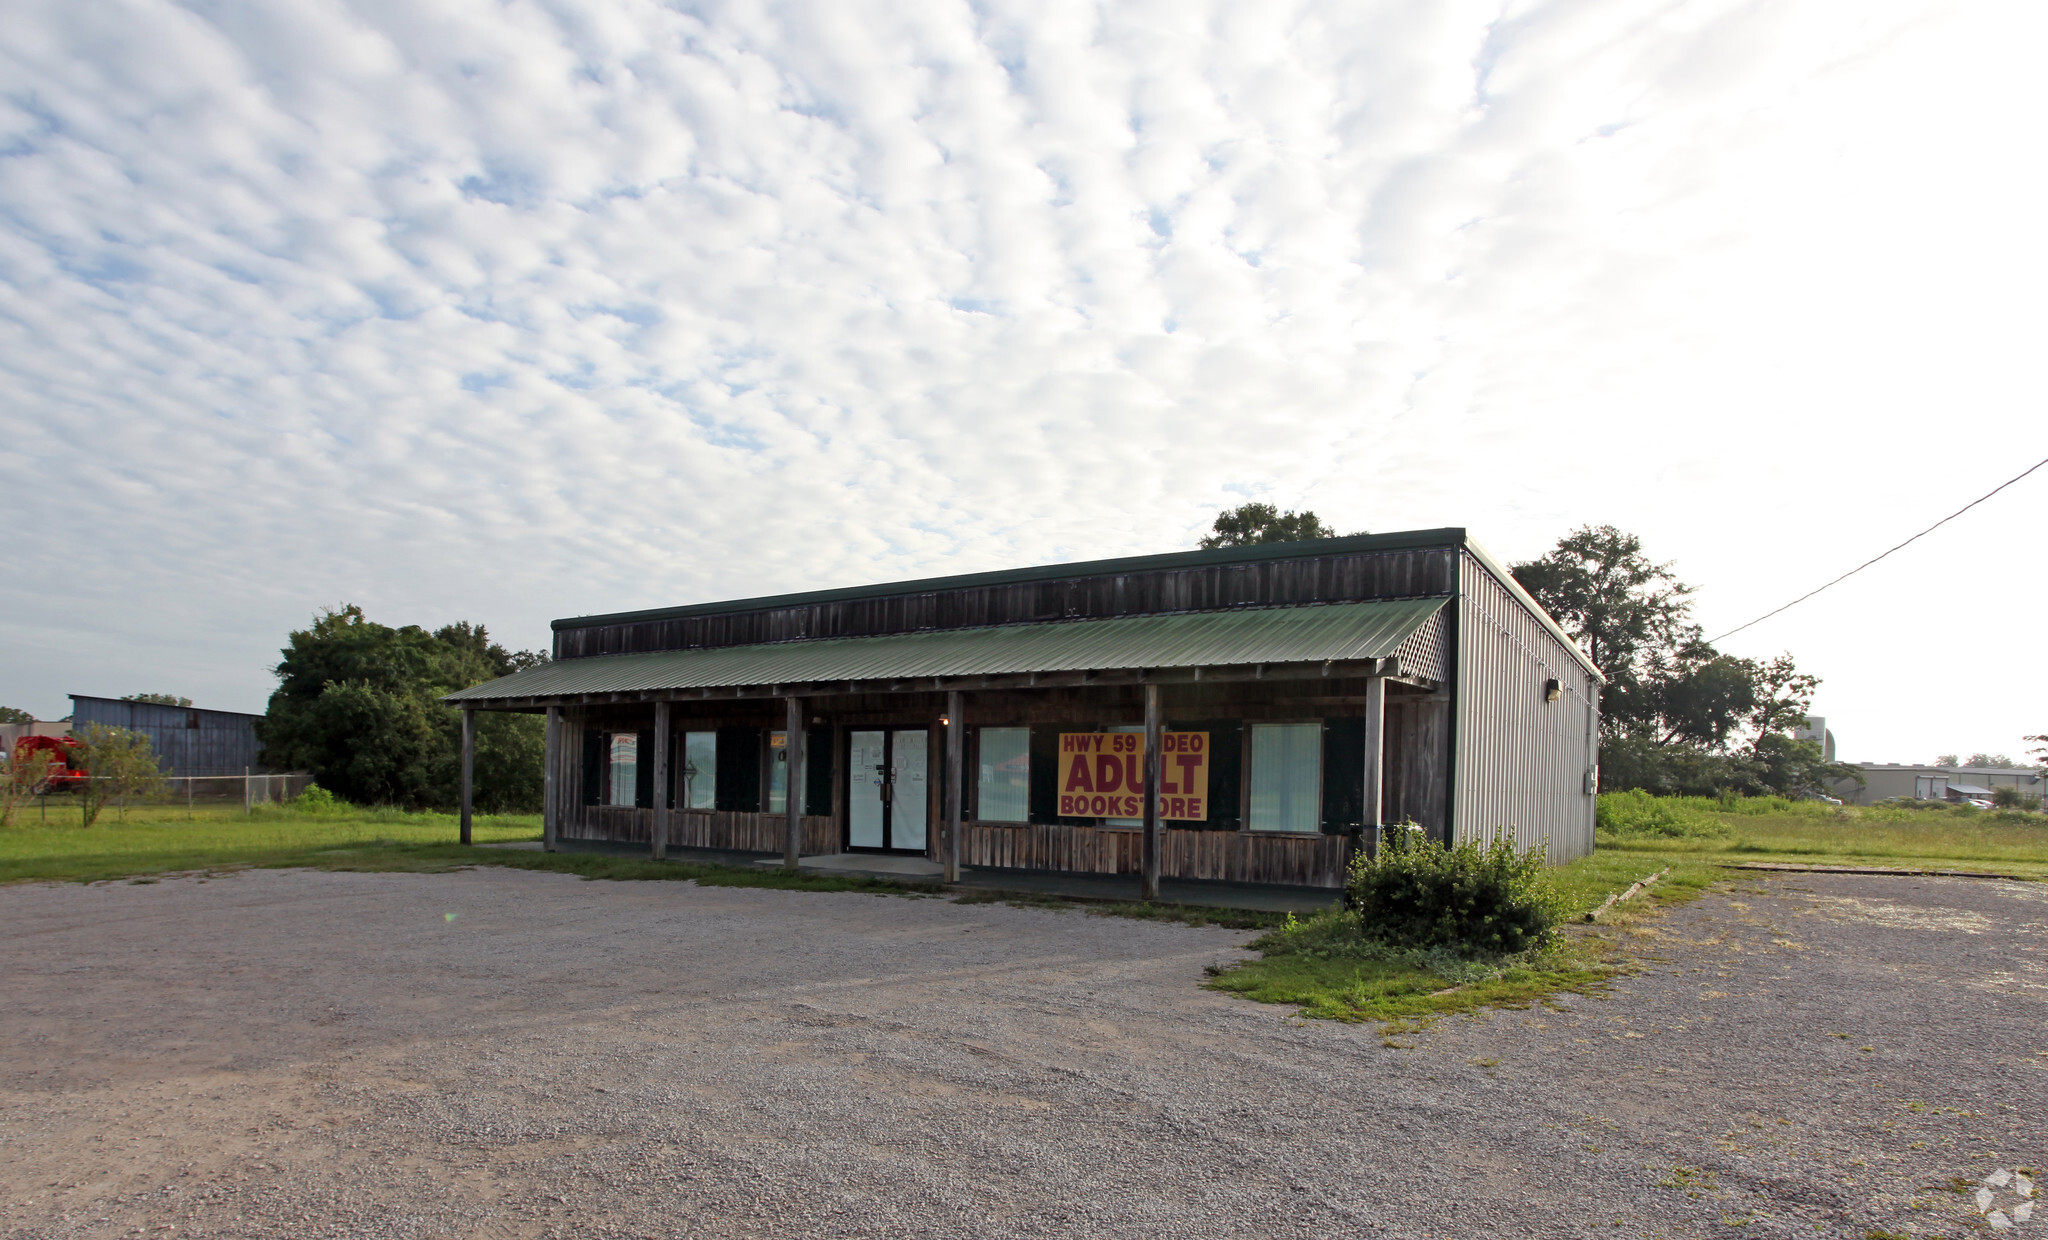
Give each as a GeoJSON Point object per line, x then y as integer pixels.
{"type": "Point", "coordinates": [1102, 775]}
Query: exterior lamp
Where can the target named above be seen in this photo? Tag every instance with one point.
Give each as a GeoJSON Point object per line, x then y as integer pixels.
{"type": "Point", "coordinates": [1552, 690]}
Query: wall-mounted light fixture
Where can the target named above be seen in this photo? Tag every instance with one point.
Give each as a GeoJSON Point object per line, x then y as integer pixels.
{"type": "Point", "coordinates": [945, 722]}
{"type": "Point", "coordinates": [1552, 690]}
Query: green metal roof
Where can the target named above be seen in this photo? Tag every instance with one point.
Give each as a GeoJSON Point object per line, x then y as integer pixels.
{"type": "Point", "coordinates": [1336, 631]}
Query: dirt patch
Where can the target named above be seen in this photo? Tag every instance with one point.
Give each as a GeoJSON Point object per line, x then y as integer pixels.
{"type": "Point", "coordinates": [516, 1054]}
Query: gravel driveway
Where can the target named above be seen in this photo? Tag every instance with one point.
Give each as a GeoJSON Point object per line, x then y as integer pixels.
{"type": "Point", "coordinates": [498, 1053]}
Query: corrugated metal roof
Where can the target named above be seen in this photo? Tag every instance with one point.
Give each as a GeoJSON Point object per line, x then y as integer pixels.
{"type": "Point", "coordinates": [1373, 630]}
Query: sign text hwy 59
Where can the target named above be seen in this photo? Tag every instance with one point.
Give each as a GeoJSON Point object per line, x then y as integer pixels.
{"type": "Point", "coordinates": [1102, 775]}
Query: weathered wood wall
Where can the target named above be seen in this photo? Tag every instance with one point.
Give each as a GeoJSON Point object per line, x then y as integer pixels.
{"type": "Point", "coordinates": [1347, 577]}
{"type": "Point", "coordinates": [1228, 856]}
{"type": "Point", "coordinates": [761, 833]}
{"type": "Point", "coordinates": [1417, 775]}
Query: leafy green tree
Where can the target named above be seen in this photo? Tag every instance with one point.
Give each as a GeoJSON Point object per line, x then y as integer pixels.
{"type": "Point", "coordinates": [358, 705]}
{"type": "Point", "coordinates": [157, 699]}
{"type": "Point", "coordinates": [1677, 715]}
{"type": "Point", "coordinates": [119, 764]}
{"type": "Point", "coordinates": [1989, 759]}
{"type": "Point", "coordinates": [1248, 524]}
{"type": "Point", "coordinates": [2042, 752]}
{"type": "Point", "coordinates": [14, 714]}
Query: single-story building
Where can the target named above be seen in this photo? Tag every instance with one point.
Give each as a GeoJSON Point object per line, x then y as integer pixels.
{"type": "Point", "coordinates": [187, 740]}
{"type": "Point", "coordinates": [1283, 700]}
{"type": "Point", "coordinates": [1882, 781]}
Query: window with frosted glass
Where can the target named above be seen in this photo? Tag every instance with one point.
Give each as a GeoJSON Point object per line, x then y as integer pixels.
{"type": "Point", "coordinates": [697, 777]}
{"type": "Point", "coordinates": [1004, 791]}
{"type": "Point", "coordinates": [623, 768]}
{"type": "Point", "coordinates": [1286, 777]}
{"type": "Point", "coordinates": [778, 773]}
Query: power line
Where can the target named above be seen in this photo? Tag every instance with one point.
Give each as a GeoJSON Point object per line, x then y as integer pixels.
{"type": "Point", "coordinates": [1874, 559]}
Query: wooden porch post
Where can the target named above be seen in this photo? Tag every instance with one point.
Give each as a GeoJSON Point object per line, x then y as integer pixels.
{"type": "Point", "coordinates": [659, 835]}
{"type": "Point", "coordinates": [1375, 755]}
{"type": "Point", "coordinates": [468, 767]}
{"type": "Point", "coordinates": [551, 787]}
{"type": "Point", "coordinates": [792, 780]}
{"type": "Point", "coordinates": [1149, 886]}
{"type": "Point", "coordinates": [956, 745]}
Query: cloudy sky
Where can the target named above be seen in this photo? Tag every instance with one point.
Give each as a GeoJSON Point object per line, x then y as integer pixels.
{"type": "Point", "coordinates": [508, 310]}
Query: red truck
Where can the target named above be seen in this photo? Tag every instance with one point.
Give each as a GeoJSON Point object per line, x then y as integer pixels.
{"type": "Point", "coordinates": [65, 772]}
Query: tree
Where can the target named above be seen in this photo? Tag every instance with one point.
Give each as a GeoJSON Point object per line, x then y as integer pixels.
{"type": "Point", "coordinates": [358, 705]}
{"type": "Point", "coordinates": [1947, 759]}
{"type": "Point", "coordinates": [2042, 752]}
{"type": "Point", "coordinates": [1988, 759]}
{"type": "Point", "coordinates": [157, 699]}
{"type": "Point", "coordinates": [119, 764]}
{"type": "Point", "coordinates": [1248, 524]}
{"type": "Point", "coordinates": [1677, 715]}
{"type": "Point", "coordinates": [14, 714]}
{"type": "Point", "coordinates": [27, 767]}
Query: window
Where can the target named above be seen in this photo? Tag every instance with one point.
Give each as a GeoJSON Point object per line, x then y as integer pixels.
{"type": "Point", "coordinates": [622, 768]}
{"type": "Point", "coordinates": [778, 773]}
{"type": "Point", "coordinates": [1004, 793]}
{"type": "Point", "coordinates": [1286, 777]}
{"type": "Point", "coordinates": [697, 778]}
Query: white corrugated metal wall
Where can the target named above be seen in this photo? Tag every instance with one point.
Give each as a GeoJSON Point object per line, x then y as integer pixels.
{"type": "Point", "coordinates": [1520, 763]}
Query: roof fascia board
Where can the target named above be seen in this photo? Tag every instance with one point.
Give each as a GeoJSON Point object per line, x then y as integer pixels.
{"type": "Point", "coordinates": [1333, 669]}
{"type": "Point", "coordinates": [1529, 603]}
{"type": "Point", "coordinates": [1406, 540]}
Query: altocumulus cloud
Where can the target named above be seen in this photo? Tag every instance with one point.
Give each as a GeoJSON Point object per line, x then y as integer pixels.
{"type": "Point", "coordinates": [512, 310]}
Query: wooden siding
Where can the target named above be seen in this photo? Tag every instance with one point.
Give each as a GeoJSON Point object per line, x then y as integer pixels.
{"type": "Point", "coordinates": [1417, 777]}
{"type": "Point", "coordinates": [1229, 856]}
{"type": "Point", "coordinates": [1306, 579]}
{"type": "Point", "coordinates": [1521, 764]}
{"type": "Point", "coordinates": [734, 832]}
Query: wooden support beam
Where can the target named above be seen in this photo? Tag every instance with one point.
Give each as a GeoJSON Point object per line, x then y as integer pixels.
{"type": "Point", "coordinates": [468, 770]}
{"type": "Point", "coordinates": [551, 782]}
{"type": "Point", "coordinates": [1375, 757]}
{"type": "Point", "coordinates": [793, 780]}
{"type": "Point", "coordinates": [658, 843]}
{"type": "Point", "coordinates": [1154, 730]}
{"type": "Point", "coordinates": [956, 749]}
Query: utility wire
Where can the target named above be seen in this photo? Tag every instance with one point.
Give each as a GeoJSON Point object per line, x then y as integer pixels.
{"type": "Point", "coordinates": [1874, 559]}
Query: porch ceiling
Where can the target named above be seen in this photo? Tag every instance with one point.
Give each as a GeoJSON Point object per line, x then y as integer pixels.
{"type": "Point", "coordinates": [1244, 641]}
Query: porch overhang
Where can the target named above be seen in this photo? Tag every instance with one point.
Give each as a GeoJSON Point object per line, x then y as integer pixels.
{"type": "Point", "coordinates": [1248, 644]}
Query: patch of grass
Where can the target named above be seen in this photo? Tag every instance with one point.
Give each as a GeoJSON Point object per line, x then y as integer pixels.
{"type": "Point", "coordinates": [1908, 835]}
{"type": "Point", "coordinates": [1332, 971]}
{"type": "Point", "coordinates": [159, 840]}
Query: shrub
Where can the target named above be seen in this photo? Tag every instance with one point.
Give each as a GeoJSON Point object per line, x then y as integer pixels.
{"type": "Point", "coordinates": [318, 800]}
{"type": "Point", "coordinates": [1636, 814]}
{"type": "Point", "coordinates": [1471, 898]}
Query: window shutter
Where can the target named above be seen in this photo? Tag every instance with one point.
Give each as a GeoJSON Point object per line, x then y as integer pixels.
{"type": "Point", "coordinates": [820, 759]}
{"type": "Point", "coordinates": [1343, 774]}
{"type": "Point", "coordinates": [739, 770]}
{"type": "Point", "coordinates": [643, 772]}
{"type": "Point", "coordinates": [593, 766]}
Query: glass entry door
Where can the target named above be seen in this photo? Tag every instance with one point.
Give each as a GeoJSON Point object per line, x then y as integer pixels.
{"type": "Point", "coordinates": [888, 800]}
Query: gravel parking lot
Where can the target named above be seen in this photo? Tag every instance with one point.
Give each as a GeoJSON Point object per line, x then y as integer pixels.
{"type": "Point", "coordinates": [499, 1053]}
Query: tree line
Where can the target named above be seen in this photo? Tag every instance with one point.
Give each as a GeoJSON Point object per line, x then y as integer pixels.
{"type": "Point", "coordinates": [1677, 715]}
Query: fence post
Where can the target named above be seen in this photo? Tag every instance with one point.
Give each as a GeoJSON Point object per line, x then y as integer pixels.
{"type": "Point", "coordinates": [245, 792]}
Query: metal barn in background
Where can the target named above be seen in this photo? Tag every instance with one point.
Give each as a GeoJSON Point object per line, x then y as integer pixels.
{"type": "Point", "coordinates": [1247, 714]}
{"type": "Point", "coordinates": [188, 740]}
